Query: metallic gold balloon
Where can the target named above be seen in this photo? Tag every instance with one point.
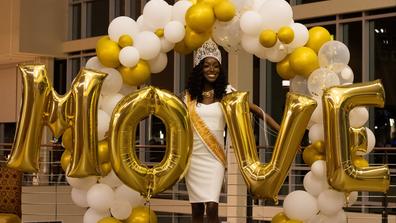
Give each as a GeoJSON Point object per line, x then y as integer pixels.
{"type": "Point", "coordinates": [67, 140]}
{"type": "Point", "coordinates": [105, 168]}
{"type": "Point", "coordinates": [41, 105]}
{"type": "Point", "coordinates": [286, 34]}
{"type": "Point", "coordinates": [224, 11]}
{"type": "Point", "coordinates": [194, 40]}
{"type": "Point", "coordinates": [310, 155]}
{"type": "Point", "coordinates": [125, 40]}
{"type": "Point", "coordinates": [200, 17]}
{"type": "Point", "coordinates": [317, 37]}
{"type": "Point", "coordinates": [210, 2]}
{"type": "Point", "coordinates": [126, 117]}
{"type": "Point", "coordinates": [319, 146]}
{"type": "Point", "coordinates": [284, 70]}
{"type": "Point", "coordinates": [159, 32]}
{"type": "Point", "coordinates": [267, 38]}
{"type": "Point", "coordinates": [9, 218]}
{"type": "Point", "coordinates": [303, 61]}
{"type": "Point", "coordinates": [343, 175]}
{"type": "Point", "coordinates": [142, 214]}
{"type": "Point", "coordinates": [294, 221]}
{"type": "Point", "coordinates": [103, 151]}
{"type": "Point", "coordinates": [136, 75]}
{"type": "Point", "coordinates": [181, 48]}
{"type": "Point", "coordinates": [265, 180]}
{"type": "Point", "coordinates": [65, 159]}
{"type": "Point", "coordinates": [360, 162]}
{"type": "Point", "coordinates": [107, 51]}
{"type": "Point", "coordinates": [280, 218]}
{"type": "Point", "coordinates": [109, 220]}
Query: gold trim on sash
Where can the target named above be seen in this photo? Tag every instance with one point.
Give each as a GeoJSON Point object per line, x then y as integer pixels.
{"type": "Point", "coordinates": [204, 132]}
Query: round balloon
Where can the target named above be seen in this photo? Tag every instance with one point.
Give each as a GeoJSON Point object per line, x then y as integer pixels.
{"type": "Point", "coordinates": [334, 55]}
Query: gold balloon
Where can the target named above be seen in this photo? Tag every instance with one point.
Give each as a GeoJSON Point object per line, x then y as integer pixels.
{"type": "Point", "coordinates": [136, 75]}
{"type": "Point", "coordinates": [279, 218]}
{"type": "Point", "coordinates": [210, 2]}
{"type": "Point", "coordinates": [319, 146]}
{"type": "Point", "coordinates": [125, 40]}
{"type": "Point", "coordinates": [126, 117]}
{"type": "Point", "coordinates": [181, 48]}
{"type": "Point", "coordinates": [105, 169]}
{"type": "Point", "coordinates": [103, 151]}
{"type": "Point", "coordinates": [109, 220]}
{"type": "Point", "coordinates": [67, 139]}
{"type": "Point", "coordinates": [310, 155]}
{"type": "Point", "coordinates": [65, 159]}
{"type": "Point", "coordinates": [194, 40]}
{"type": "Point", "coordinates": [317, 37]}
{"type": "Point", "coordinates": [284, 70]}
{"type": "Point", "coordinates": [41, 105]}
{"type": "Point", "coordinates": [200, 17]}
{"type": "Point", "coordinates": [286, 34]}
{"type": "Point", "coordinates": [159, 32]}
{"type": "Point", "coordinates": [224, 11]}
{"type": "Point", "coordinates": [360, 162]}
{"type": "Point", "coordinates": [294, 221]}
{"type": "Point", "coordinates": [107, 52]}
{"type": "Point", "coordinates": [343, 175]}
{"type": "Point", "coordinates": [267, 38]}
{"type": "Point", "coordinates": [265, 180]}
{"type": "Point", "coordinates": [9, 218]}
{"type": "Point", "coordinates": [142, 214]}
{"type": "Point", "coordinates": [303, 61]}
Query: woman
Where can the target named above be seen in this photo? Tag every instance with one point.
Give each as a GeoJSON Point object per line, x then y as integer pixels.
{"type": "Point", "coordinates": [206, 86]}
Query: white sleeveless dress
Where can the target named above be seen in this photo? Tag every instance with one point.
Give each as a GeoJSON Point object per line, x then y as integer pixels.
{"type": "Point", "coordinates": [205, 175]}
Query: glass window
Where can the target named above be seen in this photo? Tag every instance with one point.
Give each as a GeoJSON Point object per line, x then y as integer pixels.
{"type": "Point", "coordinates": [76, 21]}
{"type": "Point", "coordinates": [352, 37]}
{"type": "Point", "coordinates": [119, 8]}
{"type": "Point", "coordinates": [97, 17]}
{"type": "Point", "coordinates": [135, 9]}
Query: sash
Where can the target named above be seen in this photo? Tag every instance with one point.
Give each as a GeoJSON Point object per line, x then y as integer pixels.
{"type": "Point", "coordinates": [204, 132]}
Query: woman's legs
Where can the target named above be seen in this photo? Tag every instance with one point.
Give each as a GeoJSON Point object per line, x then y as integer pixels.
{"type": "Point", "coordinates": [212, 212]}
{"type": "Point", "coordinates": [198, 210]}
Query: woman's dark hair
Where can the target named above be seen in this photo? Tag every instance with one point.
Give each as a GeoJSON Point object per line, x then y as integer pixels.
{"type": "Point", "coordinates": [196, 81]}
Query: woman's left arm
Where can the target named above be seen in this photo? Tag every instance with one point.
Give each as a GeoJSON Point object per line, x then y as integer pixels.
{"type": "Point", "coordinates": [260, 113]}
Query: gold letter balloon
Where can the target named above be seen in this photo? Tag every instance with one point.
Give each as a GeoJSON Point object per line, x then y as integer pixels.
{"type": "Point", "coordinates": [41, 105]}
{"type": "Point", "coordinates": [265, 180]}
{"type": "Point", "coordinates": [342, 174]}
{"type": "Point", "coordinates": [125, 119]}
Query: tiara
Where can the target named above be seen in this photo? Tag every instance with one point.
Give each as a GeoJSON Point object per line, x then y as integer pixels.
{"type": "Point", "coordinates": [208, 49]}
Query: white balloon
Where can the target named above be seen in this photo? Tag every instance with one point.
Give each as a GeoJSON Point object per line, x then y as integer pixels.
{"type": "Point", "coordinates": [113, 81]}
{"type": "Point", "coordinates": [257, 4]}
{"type": "Point", "coordinates": [261, 52]}
{"type": "Point", "coordinates": [243, 5]}
{"type": "Point", "coordinates": [127, 193]}
{"type": "Point", "coordinates": [275, 14]}
{"type": "Point", "coordinates": [321, 79]}
{"type": "Point", "coordinates": [83, 183]}
{"type": "Point", "coordinates": [148, 44]}
{"type": "Point", "coordinates": [251, 23]}
{"type": "Point", "coordinates": [339, 217]}
{"type": "Point", "coordinates": [127, 89]}
{"type": "Point", "coordinates": [330, 202]}
{"type": "Point", "coordinates": [300, 205]}
{"type": "Point", "coordinates": [111, 180]}
{"type": "Point", "coordinates": [122, 25]}
{"type": "Point", "coordinates": [129, 56]}
{"type": "Point", "coordinates": [318, 169]}
{"type": "Point", "coordinates": [358, 116]}
{"type": "Point", "coordinates": [346, 75]}
{"type": "Point", "coordinates": [352, 198]}
{"type": "Point", "coordinates": [141, 24]}
{"type": "Point", "coordinates": [79, 197]}
{"type": "Point", "coordinates": [250, 43]}
{"type": "Point", "coordinates": [110, 101]}
{"type": "Point", "coordinates": [316, 133]}
{"type": "Point", "coordinates": [228, 35]}
{"type": "Point", "coordinates": [100, 197]}
{"type": "Point", "coordinates": [315, 219]}
{"type": "Point", "coordinates": [301, 36]}
{"type": "Point", "coordinates": [103, 124]}
{"type": "Point", "coordinates": [298, 84]}
{"type": "Point", "coordinates": [159, 63]}
{"type": "Point", "coordinates": [166, 46]}
{"type": "Point", "coordinates": [317, 115]}
{"type": "Point", "coordinates": [93, 216]}
{"type": "Point", "coordinates": [174, 31]}
{"type": "Point", "coordinates": [313, 185]}
{"type": "Point", "coordinates": [94, 63]}
{"type": "Point", "coordinates": [156, 14]}
{"type": "Point", "coordinates": [334, 55]}
{"type": "Point", "coordinates": [179, 10]}
{"type": "Point", "coordinates": [276, 53]}
{"type": "Point", "coordinates": [121, 209]}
